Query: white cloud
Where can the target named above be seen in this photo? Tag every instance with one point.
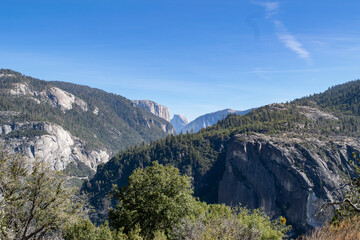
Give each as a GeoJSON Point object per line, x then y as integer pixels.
{"type": "Point", "coordinates": [282, 33]}
{"type": "Point", "coordinates": [270, 7]}
{"type": "Point", "coordinates": [290, 41]}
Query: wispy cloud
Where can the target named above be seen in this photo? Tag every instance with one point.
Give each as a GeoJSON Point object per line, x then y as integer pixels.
{"type": "Point", "coordinates": [290, 41]}
{"type": "Point", "coordinates": [282, 33]}
{"type": "Point", "coordinates": [271, 8]}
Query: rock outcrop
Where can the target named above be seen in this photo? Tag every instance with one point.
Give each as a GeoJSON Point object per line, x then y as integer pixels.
{"type": "Point", "coordinates": [154, 108]}
{"type": "Point", "coordinates": [64, 123]}
{"type": "Point", "coordinates": [62, 99]}
{"type": "Point", "coordinates": [52, 143]}
{"type": "Point", "coordinates": [179, 122]}
{"type": "Point", "coordinates": [286, 176]}
{"type": "Point", "coordinates": [53, 95]}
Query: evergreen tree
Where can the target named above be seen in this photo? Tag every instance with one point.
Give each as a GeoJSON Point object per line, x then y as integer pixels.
{"type": "Point", "coordinates": [156, 199]}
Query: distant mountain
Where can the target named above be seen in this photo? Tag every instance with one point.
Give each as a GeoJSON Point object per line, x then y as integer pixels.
{"type": "Point", "coordinates": [71, 126]}
{"type": "Point", "coordinates": [179, 122]}
{"type": "Point", "coordinates": [154, 108]}
{"type": "Point", "coordinates": [287, 159]}
{"type": "Point", "coordinates": [209, 119]}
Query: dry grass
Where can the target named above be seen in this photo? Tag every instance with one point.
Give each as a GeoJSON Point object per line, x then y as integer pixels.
{"type": "Point", "coordinates": [347, 230]}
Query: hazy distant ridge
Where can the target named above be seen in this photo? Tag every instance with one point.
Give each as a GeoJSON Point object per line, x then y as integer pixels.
{"type": "Point", "coordinates": [179, 122]}
{"type": "Point", "coordinates": [209, 119]}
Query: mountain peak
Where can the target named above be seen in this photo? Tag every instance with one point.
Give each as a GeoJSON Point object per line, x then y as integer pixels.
{"type": "Point", "coordinates": [179, 122]}
{"type": "Point", "coordinates": [182, 117]}
{"type": "Point", "coordinates": [210, 119]}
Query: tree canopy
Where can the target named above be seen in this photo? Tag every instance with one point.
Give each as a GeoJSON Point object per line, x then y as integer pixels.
{"type": "Point", "coordinates": [158, 203]}
{"type": "Point", "coordinates": [156, 198]}
{"type": "Point", "coordinates": [35, 202]}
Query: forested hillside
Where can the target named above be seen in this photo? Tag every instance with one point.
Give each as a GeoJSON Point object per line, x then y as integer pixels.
{"type": "Point", "coordinates": [72, 127]}
{"type": "Point", "coordinates": [300, 136]}
{"type": "Point", "coordinates": [117, 125]}
{"type": "Point", "coordinates": [342, 98]}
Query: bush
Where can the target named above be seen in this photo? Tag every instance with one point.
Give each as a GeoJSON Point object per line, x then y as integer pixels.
{"type": "Point", "coordinates": [224, 222]}
{"type": "Point", "coordinates": [346, 230]}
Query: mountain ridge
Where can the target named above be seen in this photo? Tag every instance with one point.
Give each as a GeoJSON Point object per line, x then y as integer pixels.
{"type": "Point", "coordinates": [297, 151]}
{"type": "Point", "coordinates": [210, 119]}
{"type": "Point", "coordinates": [86, 119]}
{"type": "Point", "coordinates": [179, 122]}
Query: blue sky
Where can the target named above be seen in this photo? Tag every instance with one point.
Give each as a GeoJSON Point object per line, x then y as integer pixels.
{"type": "Point", "coordinates": [192, 56]}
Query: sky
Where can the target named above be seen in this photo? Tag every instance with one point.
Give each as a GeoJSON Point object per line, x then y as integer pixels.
{"type": "Point", "coordinates": [193, 56]}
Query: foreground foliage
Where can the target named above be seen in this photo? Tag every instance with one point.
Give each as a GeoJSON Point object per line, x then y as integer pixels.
{"type": "Point", "coordinates": [157, 198]}
{"type": "Point", "coordinates": [158, 202]}
{"type": "Point", "coordinates": [35, 203]}
{"type": "Point", "coordinates": [346, 230]}
{"type": "Point", "coordinates": [224, 222]}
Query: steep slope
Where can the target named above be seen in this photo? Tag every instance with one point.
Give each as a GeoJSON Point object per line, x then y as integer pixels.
{"type": "Point", "coordinates": [154, 108]}
{"type": "Point", "coordinates": [286, 158]}
{"type": "Point", "coordinates": [342, 98]}
{"type": "Point", "coordinates": [52, 143]}
{"type": "Point", "coordinates": [66, 123]}
{"type": "Point", "coordinates": [179, 122]}
{"type": "Point", "coordinates": [292, 177]}
{"type": "Point", "coordinates": [209, 119]}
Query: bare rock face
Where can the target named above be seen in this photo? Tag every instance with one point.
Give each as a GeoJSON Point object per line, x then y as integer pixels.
{"type": "Point", "coordinates": [63, 100]}
{"type": "Point", "coordinates": [154, 108]}
{"type": "Point", "coordinates": [179, 122]}
{"type": "Point", "coordinates": [72, 127]}
{"type": "Point", "coordinates": [288, 176]}
{"type": "Point", "coordinates": [55, 145]}
{"type": "Point", "coordinates": [54, 96]}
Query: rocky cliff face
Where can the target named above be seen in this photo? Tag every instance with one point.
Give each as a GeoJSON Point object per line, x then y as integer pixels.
{"type": "Point", "coordinates": [70, 126]}
{"type": "Point", "coordinates": [51, 143]}
{"type": "Point", "coordinates": [286, 176]}
{"type": "Point", "coordinates": [52, 95]}
{"type": "Point", "coordinates": [179, 122]}
{"type": "Point", "coordinates": [154, 108]}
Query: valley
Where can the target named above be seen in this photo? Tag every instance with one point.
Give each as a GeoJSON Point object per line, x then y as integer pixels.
{"type": "Point", "coordinates": [288, 159]}
{"type": "Point", "coordinates": [179, 120]}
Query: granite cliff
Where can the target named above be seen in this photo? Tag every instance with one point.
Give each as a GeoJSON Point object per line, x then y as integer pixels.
{"type": "Point", "coordinates": [50, 142]}
{"type": "Point", "coordinates": [66, 123]}
{"type": "Point", "coordinates": [154, 108]}
{"type": "Point", "coordinates": [179, 122]}
{"type": "Point", "coordinates": [287, 176]}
